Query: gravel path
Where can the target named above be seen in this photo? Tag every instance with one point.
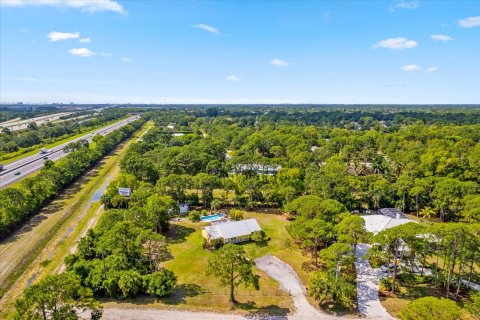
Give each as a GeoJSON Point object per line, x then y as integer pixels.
{"type": "Point", "coordinates": [289, 282]}
{"type": "Point", "coordinates": [135, 314]}
{"type": "Point", "coordinates": [367, 288]}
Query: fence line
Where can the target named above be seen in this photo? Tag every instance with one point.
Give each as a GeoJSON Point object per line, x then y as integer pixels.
{"type": "Point", "coordinates": [249, 293]}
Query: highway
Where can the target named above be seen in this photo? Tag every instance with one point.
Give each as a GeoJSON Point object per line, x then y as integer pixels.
{"type": "Point", "coordinates": [16, 170]}
{"type": "Point", "coordinates": [23, 124]}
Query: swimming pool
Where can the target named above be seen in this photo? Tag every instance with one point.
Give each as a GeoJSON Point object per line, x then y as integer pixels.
{"type": "Point", "coordinates": [213, 217]}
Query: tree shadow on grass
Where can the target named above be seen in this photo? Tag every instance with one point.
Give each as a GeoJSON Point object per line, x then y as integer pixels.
{"type": "Point", "coordinates": [179, 296]}
{"type": "Point", "coordinates": [413, 292]}
{"type": "Point", "coordinates": [182, 292]}
{"type": "Point", "coordinates": [266, 312]}
{"type": "Point", "coordinates": [309, 266]}
{"type": "Point", "coordinates": [34, 221]}
{"type": "Point", "coordinates": [178, 233]}
{"type": "Point", "coordinates": [261, 244]}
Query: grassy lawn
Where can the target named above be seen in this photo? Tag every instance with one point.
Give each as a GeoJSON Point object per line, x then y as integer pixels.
{"type": "Point", "coordinates": [396, 303]}
{"type": "Point", "coordinates": [39, 247]}
{"type": "Point", "coordinates": [197, 291]}
{"type": "Point", "coordinates": [407, 293]}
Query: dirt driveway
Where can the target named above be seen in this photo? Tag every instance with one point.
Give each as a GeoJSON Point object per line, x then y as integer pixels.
{"type": "Point", "coordinates": [289, 282]}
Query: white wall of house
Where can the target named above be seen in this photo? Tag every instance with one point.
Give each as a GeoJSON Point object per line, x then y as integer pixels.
{"type": "Point", "coordinates": [184, 207]}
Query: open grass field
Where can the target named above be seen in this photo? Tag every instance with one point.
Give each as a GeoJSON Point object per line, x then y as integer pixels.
{"type": "Point", "coordinates": [39, 247]}
{"type": "Point", "coordinates": [197, 291]}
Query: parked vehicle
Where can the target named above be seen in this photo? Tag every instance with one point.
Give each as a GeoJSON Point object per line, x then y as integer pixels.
{"type": "Point", "coordinates": [388, 267]}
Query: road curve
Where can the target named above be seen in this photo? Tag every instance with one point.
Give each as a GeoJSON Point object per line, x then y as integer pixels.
{"type": "Point", "coordinates": [35, 162]}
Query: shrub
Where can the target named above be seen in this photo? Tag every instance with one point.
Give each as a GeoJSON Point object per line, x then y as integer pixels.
{"type": "Point", "coordinates": [193, 199]}
{"type": "Point", "coordinates": [235, 214]}
{"type": "Point", "coordinates": [474, 306]}
{"type": "Point", "coordinates": [259, 236]}
{"type": "Point", "coordinates": [216, 204]}
{"type": "Point", "coordinates": [160, 283]}
{"type": "Point", "coordinates": [194, 216]}
{"type": "Point", "coordinates": [130, 283]}
{"type": "Point", "coordinates": [431, 308]}
{"type": "Point", "coordinates": [375, 257]}
{"type": "Point", "coordinates": [413, 279]}
{"type": "Point", "coordinates": [385, 284]}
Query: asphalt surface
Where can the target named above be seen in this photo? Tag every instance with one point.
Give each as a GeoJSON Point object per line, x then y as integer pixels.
{"type": "Point", "coordinates": [23, 124]}
{"type": "Point", "coordinates": [16, 170]}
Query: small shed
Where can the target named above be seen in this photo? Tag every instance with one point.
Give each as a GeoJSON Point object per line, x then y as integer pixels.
{"type": "Point", "coordinates": [184, 207]}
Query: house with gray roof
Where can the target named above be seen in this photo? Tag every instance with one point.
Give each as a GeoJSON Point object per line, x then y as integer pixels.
{"type": "Point", "coordinates": [231, 231]}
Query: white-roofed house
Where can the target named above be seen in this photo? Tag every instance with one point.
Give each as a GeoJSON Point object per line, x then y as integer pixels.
{"type": "Point", "coordinates": [389, 218]}
{"type": "Point", "coordinates": [231, 231]}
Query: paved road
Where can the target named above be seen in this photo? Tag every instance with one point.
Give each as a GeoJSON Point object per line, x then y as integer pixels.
{"type": "Point", "coordinates": [33, 163]}
{"type": "Point", "coordinates": [135, 314]}
{"type": "Point", "coordinates": [367, 287]}
{"type": "Point", "coordinates": [23, 124]}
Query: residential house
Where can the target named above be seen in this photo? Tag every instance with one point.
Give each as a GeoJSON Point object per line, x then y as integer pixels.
{"type": "Point", "coordinates": [388, 218]}
{"type": "Point", "coordinates": [231, 231]}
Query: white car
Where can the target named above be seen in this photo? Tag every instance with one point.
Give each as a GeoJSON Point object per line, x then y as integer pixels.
{"type": "Point", "coordinates": [387, 267]}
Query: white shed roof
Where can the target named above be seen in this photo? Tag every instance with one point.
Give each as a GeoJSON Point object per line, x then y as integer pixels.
{"type": "Point", "coordinates": [232, 229]}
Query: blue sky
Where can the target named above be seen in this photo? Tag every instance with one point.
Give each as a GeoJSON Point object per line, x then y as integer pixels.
{"type": "Point", "coordinates": [136, 51]}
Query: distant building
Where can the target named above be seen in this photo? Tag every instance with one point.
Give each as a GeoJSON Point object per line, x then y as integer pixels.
{"type": "Point", "coordinates": [231, 231]}
{"type": "Point", "coordinates": [257, 167]}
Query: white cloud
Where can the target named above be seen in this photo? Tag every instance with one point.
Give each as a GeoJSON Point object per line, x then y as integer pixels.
{"type": "Point", "coordinates": [402, 4]}
{"type": "Point", "coordinates": [396, 43]}
{"type": "Point", "coordinates": [232, 78]}
{"type": "Point", "coordinates": [84, 40]}
{"type": "Point", "coordinates": [81, 52]}
{"type": "Point", "coordinates": [411, 67]}
{"type": "Point", "coordinates": [60, 36]}
{"type": "Point", "coordinates": [432, 69]}
{"type": "Point", "coordinates": [279, 63]}
{"type": "Point", "coordinates": [469, 22]}
{"type": "Point", "coordinates": [441, 37]}
{"type": "Point", "coordinates": [208, 28]}
{"type": "Point", "coordinates": [126, 59]}
{"type": "Point", "coordinates": [24, 29]}
{"type": "Point", "coordinates": [24, 79]}
{"type": "Point", "coordinates": [83, 5]}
